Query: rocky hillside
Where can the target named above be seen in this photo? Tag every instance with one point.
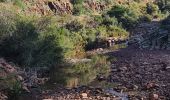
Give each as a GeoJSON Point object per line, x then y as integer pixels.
{"type": "Point", "coordinates": [60, 7]}
{"type": "Point", "coordinates": [84, 49]}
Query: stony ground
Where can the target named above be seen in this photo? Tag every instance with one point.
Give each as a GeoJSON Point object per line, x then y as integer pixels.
{"type": "Point", "coordinates": [79, 93]}
{"type": "Point", "coordinates": [142, 73]}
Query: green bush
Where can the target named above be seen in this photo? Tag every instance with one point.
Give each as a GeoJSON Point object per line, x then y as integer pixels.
{"type": "Point", "coordinates": [127, 17]}
{"type": "Point", "coordinates": [77, 1]}
{"type": "Point", "coordinates": [118, 11]}
{"type": "Point", "coordinates": [110, 21]}
{"type": "Point", "coordinates": [98, 19]}
{"type": "Point", "coordinates": [7, 23]}
{"type": "Point", "coordinates": [78, 9]}
{"type": "Point", "coordinates": [74, 26]}
{"type": "Point", "coordinates": [115, 31]}
{"type": "Point", "coordinates": [2, 0]}
{"type": "Point", "coordinates": [32, 45]}
{"type": "Point", "coordinates": [164, 5]}
{"type": "Point", "coordinates": [152, 9]}
{"type": "Point", "coordinates": [15, 91]}
{"type": "Point", "coordinates": [146, 18]}
{"type": "Point", "coordinates": [166, 23]}
{"type": "Point", "coordinates": [19, 3]}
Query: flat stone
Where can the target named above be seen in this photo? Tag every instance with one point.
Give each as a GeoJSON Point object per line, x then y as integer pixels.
{"type": "Point", "coordinates": [84, 95]}
{"type": "Point", "coordinates": [168, 68]}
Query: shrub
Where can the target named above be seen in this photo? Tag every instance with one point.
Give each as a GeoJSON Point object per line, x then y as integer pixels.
{"type": "Point", "coordinates": [7, 23]}
{"type": "Point", "coordinates": [2, 0]}
{"type": "Point", "coordinates": [74, 26]}
{"type": "Point", "coordinates": [129, 21]}
{"type": "Point", "coordinates": [77, 1]}
{"type": "Point", "coordinates": [30, 45]}
{"type": "Point", "coordinates": [19, 3]}
{"type": "Point", "coordinates": [166, 23]}
{"type": "Point", "coordinates": [78, 9]}
{"type": "Point", "coordinates": [164, 5]}
{"type": "Point", "coordinates": [152, 9]}
{"type": "Point", "coordinates": [127, 17]}
{"type": "Point", "coordinates": [117, 11]}
{"type": "Point", "coordinates": [15, 91]}
{"type": "Point", "coordinates": [146, 18]}
{"type": "Point", "coordinates": [109, 21]}
{"type": "Point", "coordinates": [115, 31]}
{"type": "Point", "coordinates": [109, 1]}
{"type": "Point", "coordinates": [98, 19]}
{"type": "Point", "coordinates": [29, 48]}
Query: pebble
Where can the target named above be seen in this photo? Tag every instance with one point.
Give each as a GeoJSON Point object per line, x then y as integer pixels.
{"type": "Point", "coordinates": [154, 97]}
{"type": "Point", "coordinates": [84, 95]}
{"type": "Point", "coordinates": [168, 68]}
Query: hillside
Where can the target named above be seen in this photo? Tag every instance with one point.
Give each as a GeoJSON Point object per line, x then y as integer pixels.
{"type": "Point", "coordinates": [84, 49]}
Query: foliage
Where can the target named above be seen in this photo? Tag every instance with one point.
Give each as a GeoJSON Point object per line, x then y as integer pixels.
{"type": "Point", "coordinates": [164, 5]}
{"type": "Point", "coordinates": [124, 15]}
{"type": "Point", "coordinates": [18, 3]}
{"type": "Point", "coordinates": [118, 11]}
{"type": "Point", "coordinates": [98, 19]}
{"type": "Point", "coordinates": [7, 23]}
{"type": "Point", "coordinates": [115, 31]}
{"type": "Point", "coordinates": [32, 45]}
{"type": "Point", "coordinates": [152, 9]}
{"type": "Point", "coordinates": [166, 23]}
{"type": "Point", "coordinates": [77, 1]}
{"type": "Point", "coordinates": [109, 21]}
{"type": "Point", "coordinates": [74, 26]}
{"type": "Point", "coordinates": [78, 9]}
{"type": "Point", "coordinates": [132, 14]}
{"type": "Point", "coordinates": [145, 18]}
{"type": "Point", "coordinates": [15, 91]}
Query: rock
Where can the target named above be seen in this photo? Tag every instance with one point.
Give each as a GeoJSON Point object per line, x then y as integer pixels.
{"type": "Point", "coordinates": [20, 78]}
{"type": "Point", "coordinates": [168, 68]}
{"type": "Point", "coordinates": [135, 87]}
{"type": "Point", "coordinates": [123, 69]}
{"type": "Point", "coordinates": [154, 97]}
{"type": "Point", "coordinates": [7, 67]}
{"type": "Point", "coordinates": [114, 70]}
{"type": "Point", "coordinates": [151, 85]}
{"type": "Point", "coordinates": [100, 49]}
{"type": "Point", "coordinates": [101, 78]}
{"type": "Point", "coordinates": [24, 87]}
{"type": "Point", "coordinates": [108, 98]}
{"type": "Point", "coordinates": [47, 99]}
{"type": "Point", "coordinates": [107, 94]}
{"type": "Point", "coordinates": [3, 97]}
{"type": "Point", "coordinates": [84, 95]}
